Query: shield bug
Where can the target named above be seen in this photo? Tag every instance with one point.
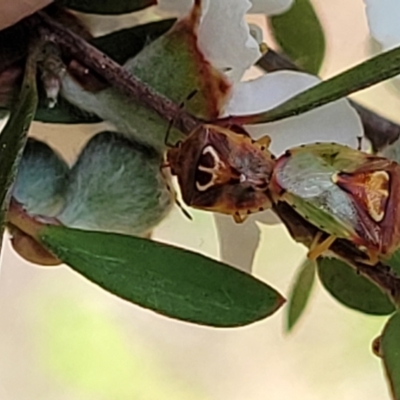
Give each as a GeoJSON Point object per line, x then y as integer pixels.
{"type": "Point", "coordinates": [345, 193]}
{"type": "Point", "coordinates": [219, 169]}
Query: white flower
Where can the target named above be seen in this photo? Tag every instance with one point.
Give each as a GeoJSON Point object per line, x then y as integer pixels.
{"type": "Point", "coordinates": [223, 25]}
{"type": "Point", "coordinates": [383, 20]}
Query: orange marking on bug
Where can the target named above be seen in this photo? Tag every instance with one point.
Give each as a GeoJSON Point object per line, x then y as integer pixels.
{"type": "Point", "coordinates": [370, 189]}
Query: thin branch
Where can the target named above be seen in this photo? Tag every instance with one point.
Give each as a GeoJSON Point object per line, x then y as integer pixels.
{"type": "Point", "coordinates": [379, 130]}
{"type": "Point", "coordinates": [111, 71]}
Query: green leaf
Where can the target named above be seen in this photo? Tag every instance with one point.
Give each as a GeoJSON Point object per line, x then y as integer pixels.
{"type": "Point", "coordinates": [351, 289]}
{"type": "Point", "coordinates": [14, 134]}
{"type": "Point", "coordinates": [107, 6]}
{"type": "Point", "coordinates": [390, 350]}
{"type": "Point", "coordinates": [171, 281]}
{"type": "Point", "coordinates": [63, 113]}
{"type": "Point", "coordinates": [300, 293]}
{"type": "Point", "coordinates": [126, 43]}
{"type": "Point", "coordinates": [394, 262]}
{"type": "Point", "coordinates": [300, 35]}
{"type": "Point", "coordinates": [366, 74]}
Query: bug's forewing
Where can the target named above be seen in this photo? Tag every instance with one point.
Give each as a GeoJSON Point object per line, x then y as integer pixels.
{"type": "Point", "coordinates": [306, 182]}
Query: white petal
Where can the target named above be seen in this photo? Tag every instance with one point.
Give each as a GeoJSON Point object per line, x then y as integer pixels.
{"type": "Point", "coordinates": [225, 39]}
{"type": "Point", "coordinates": [178, 8]}
{"type": "Point", "coordinates": [238, 242]}
{"type": "Point", "coordinates": [383, 19]}
{"type": "Point", "coordinates": [224, 35]}
{"type": "Point", "coordinates": [335, 122]}
{"type": "Point", "coordinates": [270, 7]}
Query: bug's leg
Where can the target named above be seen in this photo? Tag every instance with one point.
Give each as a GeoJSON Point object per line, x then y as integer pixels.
{"type": "Point", "coordinates": [239, 218]}
{"type": "Point", "coordinates": [373, 257]}
{"type": "Point", "coordinates": [172, 191]}
{"type": "Point", "coordinates": [372, 260]}
{"type": "Point", "coordinates": [263, 143]}
{"type": "Point", "coordinates": [317, 248]}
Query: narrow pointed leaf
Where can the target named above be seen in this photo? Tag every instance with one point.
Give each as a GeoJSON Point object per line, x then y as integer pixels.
{"type": "Point", "coordinates": [107, 6]}
{"type": "Point", "coordinates": [170, 281]}
{"type": "Point", "coordinates": [390, 350]}
{"type": "Point", "coordinates": [351, 289]}
{"type": "Point", "coordinates": [126, 43]}
{"type": "Point", "coordinates": [300, 35]}
{"type": "Point", "coordinates": [13, 137]}
{"type": "Point", "coordinates": [394, 262]}
{"type": "Point", "coordinates": [364, 75]}
{"type": "Point", "coordinates": [63, 113]}
{"type": "Point", "coordinates": [300, 293]}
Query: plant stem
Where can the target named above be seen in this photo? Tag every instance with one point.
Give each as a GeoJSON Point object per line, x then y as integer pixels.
{"type": "Point", "coordinates": [112, 72]}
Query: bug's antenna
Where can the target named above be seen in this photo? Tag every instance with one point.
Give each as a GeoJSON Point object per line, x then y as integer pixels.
{"type": "Point", "coordinates": [171, 122]}
{"type": "Point", "coordinates": [184, 211]}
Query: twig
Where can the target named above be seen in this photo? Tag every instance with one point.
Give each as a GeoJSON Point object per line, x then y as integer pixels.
{"type": "Point", "coordinates": [111, 71]}
{"type": "Point", "coordinates": [380, 131]}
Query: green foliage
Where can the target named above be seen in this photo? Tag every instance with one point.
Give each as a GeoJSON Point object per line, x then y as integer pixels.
{"type": "Point", "coordinates": [168, 280]}
{"type": "Point", "coordinates": [351, 289]}
{"type": "Point", "coordinates": [300, 292]}
{"type": "Point", "coordinates": [364, 75]}
{"type": "Point", "coordinates": [300, 35]}
{"type": "Point", "coordinates": [390, 349]}
{"type": "Point", "coordinates": [107, 6]}
{"type": "Point", "coordinates": [394, 262]}
{"type": "Point", "coordinates": [126, 43]}
{"type": "Point", "coordinates": [14, 134]}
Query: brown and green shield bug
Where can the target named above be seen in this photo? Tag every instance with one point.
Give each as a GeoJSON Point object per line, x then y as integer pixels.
{"type": "Point", "coordinates": [345, 193]}
{"type": "Point", "coordinates": [221, 170]}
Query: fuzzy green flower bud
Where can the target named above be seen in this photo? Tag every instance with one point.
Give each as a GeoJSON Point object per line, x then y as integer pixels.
{"type": "Point", "coordinates": [41, 181]}
{"type": "Point", "coordinates": [116, 185]}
